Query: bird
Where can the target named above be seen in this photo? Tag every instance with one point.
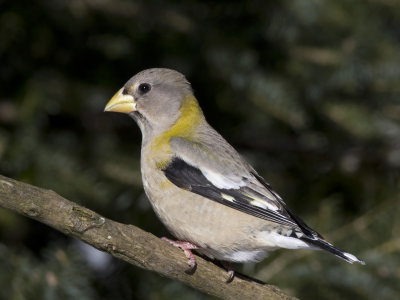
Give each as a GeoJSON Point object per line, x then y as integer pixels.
{"type": "Point", "coordinates": [200, 187]}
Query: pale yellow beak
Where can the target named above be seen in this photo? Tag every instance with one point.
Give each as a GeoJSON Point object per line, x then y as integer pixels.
{"type": "Point", "coordinates": [121, 103]}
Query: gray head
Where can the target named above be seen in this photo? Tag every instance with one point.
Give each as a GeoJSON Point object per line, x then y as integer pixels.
{"type": "Point", "coordinates": [153, 98]}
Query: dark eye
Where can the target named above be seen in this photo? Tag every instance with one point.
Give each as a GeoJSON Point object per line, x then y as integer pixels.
{"type": "Point", "coordinates": [144, 88]}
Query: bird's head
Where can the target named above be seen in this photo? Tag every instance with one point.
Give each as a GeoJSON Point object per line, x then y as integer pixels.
{"type": "Point", "coordinates": [154, 98]}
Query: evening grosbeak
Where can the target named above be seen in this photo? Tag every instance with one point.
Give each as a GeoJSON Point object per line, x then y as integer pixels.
{"type": "Point", "coordinates": [202, 190]}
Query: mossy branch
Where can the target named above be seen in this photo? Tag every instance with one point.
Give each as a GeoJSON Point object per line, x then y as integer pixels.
{"type": "Point", "coordinates": [127, 242]}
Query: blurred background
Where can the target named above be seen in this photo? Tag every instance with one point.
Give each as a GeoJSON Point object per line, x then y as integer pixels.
{"type": "Point", "coordinates": [308, 91]}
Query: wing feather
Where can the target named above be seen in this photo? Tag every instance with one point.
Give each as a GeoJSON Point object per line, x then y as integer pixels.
{"type": "Point", "coordinates": [192, 179]}
{"type": "Point", "coordinates": [228, 180]}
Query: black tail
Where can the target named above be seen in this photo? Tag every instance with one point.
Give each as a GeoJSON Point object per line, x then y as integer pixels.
{"type": "Point", "coordinates": [322, 244]}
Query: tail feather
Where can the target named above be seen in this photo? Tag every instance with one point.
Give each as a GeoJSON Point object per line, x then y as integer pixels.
{"type": "Point", "coordinates": [324, 245]}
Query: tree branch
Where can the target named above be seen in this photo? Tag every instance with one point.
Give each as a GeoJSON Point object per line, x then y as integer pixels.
{"type": "Point", "coordinates": [127, 242]}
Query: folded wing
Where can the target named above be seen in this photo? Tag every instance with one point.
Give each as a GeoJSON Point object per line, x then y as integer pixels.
{"type": "Point", "coordinates": [232, 183]}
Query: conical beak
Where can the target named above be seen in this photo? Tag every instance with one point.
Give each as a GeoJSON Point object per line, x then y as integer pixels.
{"type": "Point", "coordinates": [121, 103]}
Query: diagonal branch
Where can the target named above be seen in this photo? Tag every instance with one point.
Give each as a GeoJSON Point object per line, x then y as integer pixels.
{"type": "Point", "coordinates": [127, 242]}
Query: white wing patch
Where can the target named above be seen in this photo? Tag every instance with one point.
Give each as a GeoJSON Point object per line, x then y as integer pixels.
{"type": "Point", "coordinates": [222, 182]}
{"type": "Point", "coordinates": [227, 197]}
{"type": "Point", "coordinates": [263, 203]}
{"type": "Point", "coordinates": [298, 234]}
{"type": "Point", "coordinates": [258, 203]}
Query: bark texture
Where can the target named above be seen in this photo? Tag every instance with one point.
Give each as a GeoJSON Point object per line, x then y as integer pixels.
{"type": "Point", "coordinates": [127, 242]}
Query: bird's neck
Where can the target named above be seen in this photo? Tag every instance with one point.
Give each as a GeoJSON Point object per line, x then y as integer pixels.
{"type": "Point", "coordinates": [190, 117]}
{"type": "Point", "coordinates": [186, 126]}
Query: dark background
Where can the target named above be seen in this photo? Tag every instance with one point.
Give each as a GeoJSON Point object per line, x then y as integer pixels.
{"type": "Point", "coordinates": [308, 91]}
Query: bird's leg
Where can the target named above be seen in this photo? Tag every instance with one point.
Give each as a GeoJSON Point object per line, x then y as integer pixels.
{"type": "Point", "coordinates": [229, 268]}
{"type": "Point", "coordinates": [186, 247]}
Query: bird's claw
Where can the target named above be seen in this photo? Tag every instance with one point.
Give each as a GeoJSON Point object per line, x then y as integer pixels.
{"type": "Point", "coordinates": [186, 247]}
{"type": "Point", "coordinates": [231, 271]}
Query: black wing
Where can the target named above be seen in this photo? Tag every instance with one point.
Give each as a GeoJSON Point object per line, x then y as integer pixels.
{"type": "Point", "coordinates": [192, 179]}
{"type": "Point", "coordinates": [243, 198]}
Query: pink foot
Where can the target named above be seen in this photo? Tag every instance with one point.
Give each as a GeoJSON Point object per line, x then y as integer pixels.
{"type": "Point", "coordinates": [186, 247]}
{"type": "Point", "coordinates": [229, 268]}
